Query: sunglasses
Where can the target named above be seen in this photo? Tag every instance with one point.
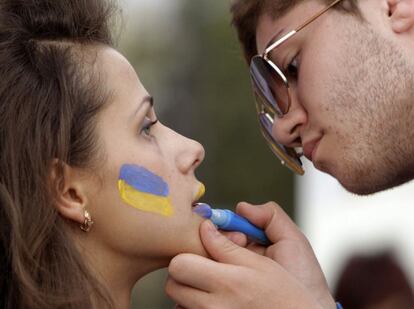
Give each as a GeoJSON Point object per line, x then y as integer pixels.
{"type": "Point", "coordinates": [272, 94]}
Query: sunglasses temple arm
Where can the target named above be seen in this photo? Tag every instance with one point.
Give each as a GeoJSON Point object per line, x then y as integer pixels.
{"type": "Point", "coordinates": [307, 22]}
{"type": "Point", "coordinates": [280, 41]}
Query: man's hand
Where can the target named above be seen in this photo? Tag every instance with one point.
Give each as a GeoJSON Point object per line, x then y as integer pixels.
{"type": "Point", "coordinates": [283, 275]}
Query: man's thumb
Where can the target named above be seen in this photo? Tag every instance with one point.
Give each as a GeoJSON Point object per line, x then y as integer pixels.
{"type": "Point", "coordinates": [224, 250]}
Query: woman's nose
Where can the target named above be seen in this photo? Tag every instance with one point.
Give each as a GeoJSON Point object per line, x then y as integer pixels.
{"type": "Point", "coordinates": [190, 154]}
{"type": "Point", "coordinates": [286, 130]}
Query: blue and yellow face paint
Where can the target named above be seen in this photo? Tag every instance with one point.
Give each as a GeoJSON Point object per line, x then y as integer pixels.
{"type": "Point", "coordinates": [144, 190]}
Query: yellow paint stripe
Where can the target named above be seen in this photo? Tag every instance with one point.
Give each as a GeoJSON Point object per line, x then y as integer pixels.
{"type": "Point", "coordinates": [201, 191]}
{"type": "Point", "coordinates": [145, 201]}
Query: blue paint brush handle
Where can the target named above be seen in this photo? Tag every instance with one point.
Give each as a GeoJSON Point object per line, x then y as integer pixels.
{"type": "Point", "coordinates": [229, 221]}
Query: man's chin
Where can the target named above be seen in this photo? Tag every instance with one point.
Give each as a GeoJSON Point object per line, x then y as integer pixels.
{"type": "Point", "coordinates": [361, 189]}
{"type": "Point", "coordinates": [361, 183]}
{"type": "Point", "coordinates": [353, 182]}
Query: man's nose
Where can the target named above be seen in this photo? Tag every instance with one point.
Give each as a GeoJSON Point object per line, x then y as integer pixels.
{"type": "Point", "coordinates": [286, 130]}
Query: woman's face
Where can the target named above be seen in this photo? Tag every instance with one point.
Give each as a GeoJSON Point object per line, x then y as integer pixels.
{"type": "Point", "coordinates": [142, 206]}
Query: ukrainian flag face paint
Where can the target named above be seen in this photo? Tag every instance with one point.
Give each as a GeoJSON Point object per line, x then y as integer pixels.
{"type": "Point", "coordinates": [144, 190]}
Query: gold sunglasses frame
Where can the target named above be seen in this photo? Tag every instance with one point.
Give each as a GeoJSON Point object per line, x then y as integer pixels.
{"type": "Point", "coordinates": [287, 155]}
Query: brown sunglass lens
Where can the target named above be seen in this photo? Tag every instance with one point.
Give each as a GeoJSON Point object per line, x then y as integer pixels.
{"type": "Point", "coordinates": [278, 149]}
{"type": "Point", "coordinates": [270, 84]}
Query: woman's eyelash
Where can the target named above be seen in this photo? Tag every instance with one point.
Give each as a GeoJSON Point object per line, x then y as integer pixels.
{"type": "Point", "coordinates": [146, 127]}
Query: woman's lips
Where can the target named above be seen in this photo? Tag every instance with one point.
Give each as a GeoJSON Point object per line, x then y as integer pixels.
{"type": "Point", "coordinates": [200, 193]}
{"type": "Point", "coordinates": [309, 149]}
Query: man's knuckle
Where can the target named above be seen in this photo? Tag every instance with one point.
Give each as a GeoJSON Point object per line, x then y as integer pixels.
{"type": "Point", "coordinates": [176, 265]}
{"type": "Point", "coordinates": [229, 248]}
{"type": "Point", "coordinates": [274, 205]}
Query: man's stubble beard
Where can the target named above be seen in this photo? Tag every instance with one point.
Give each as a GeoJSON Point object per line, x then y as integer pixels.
{"type": "Point", "coordinates": [371, 102]}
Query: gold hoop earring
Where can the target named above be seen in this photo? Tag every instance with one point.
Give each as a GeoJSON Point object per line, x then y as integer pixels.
{"type": "Point", "coordinates": [87, 224]}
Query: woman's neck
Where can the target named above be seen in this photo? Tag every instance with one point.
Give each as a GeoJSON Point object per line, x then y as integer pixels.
{"type": "Point", "coordinates": [117, 273]}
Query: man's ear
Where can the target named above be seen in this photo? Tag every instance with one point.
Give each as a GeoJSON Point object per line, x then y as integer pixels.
{"type": "Point", "coordinates": [401, 15]}
{"type": "Point", "coordinates": [69, 191]}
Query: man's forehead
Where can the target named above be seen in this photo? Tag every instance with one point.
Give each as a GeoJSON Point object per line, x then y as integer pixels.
{"type": "Point", "coordinates": [269, 28]}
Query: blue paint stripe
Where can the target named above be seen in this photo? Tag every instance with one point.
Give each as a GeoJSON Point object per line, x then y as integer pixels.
{"type": "Point", "coordinates": [143, 180]}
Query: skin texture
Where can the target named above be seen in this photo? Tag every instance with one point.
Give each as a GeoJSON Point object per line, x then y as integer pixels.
{"type": "Point", "coordinates": [354, 95]}
{"type": "Point", "coordinates": [126, 243]}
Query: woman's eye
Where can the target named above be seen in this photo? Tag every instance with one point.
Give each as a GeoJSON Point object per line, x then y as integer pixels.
{"type": "Point", "coordinates": [147, 125]}
{"type": "Point", "coordinates": [293, 68]}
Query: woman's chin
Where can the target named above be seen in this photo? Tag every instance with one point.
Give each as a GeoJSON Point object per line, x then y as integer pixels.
{"type": "Point", "coordinates": [194, 246]}
{"type": "Point", "coordinates": [185, 239]}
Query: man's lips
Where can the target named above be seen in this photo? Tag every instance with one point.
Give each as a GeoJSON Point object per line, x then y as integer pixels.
{"type": "Point", "coordinates": [309, 148]}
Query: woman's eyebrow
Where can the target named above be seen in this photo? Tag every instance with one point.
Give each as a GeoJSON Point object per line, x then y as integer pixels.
{"type": "Point", "coordinates": [149, 99]}
{"type": "Point", "coordinates": [145, 99]}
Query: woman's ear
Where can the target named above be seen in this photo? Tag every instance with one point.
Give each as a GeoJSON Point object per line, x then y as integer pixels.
{"type": "Point", "coordinates": [401, 15]}
{"type": "Point", "coordinates": [69, 191]}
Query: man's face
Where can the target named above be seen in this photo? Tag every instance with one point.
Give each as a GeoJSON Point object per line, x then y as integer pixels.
{"type": "Point", "coordinates": [351, 97]}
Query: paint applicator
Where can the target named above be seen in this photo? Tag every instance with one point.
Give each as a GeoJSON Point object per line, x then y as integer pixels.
{"type": "Point", "coordinates": [227, 220]}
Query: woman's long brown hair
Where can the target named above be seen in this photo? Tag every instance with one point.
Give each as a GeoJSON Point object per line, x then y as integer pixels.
{"type": "Point", "coordinates": [49, 100]}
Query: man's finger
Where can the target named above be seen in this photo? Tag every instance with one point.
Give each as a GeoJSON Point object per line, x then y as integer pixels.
{"type": "Point", "coordinates": [238, 238]}
{"type": "Point", "coordinates": [258, 249]}
{"type": "Point", "coordinates": [271, 218]}
{"type": "Point", "coordinates": [185, 296]}
{"type": "Point", "coordinates": [195, 271]}
{"type": "Point", "coordinates": [223, 250]}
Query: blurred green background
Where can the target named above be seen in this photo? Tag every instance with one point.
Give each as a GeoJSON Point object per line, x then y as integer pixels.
{"type": "Point", "coordinates": [187, 55]}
